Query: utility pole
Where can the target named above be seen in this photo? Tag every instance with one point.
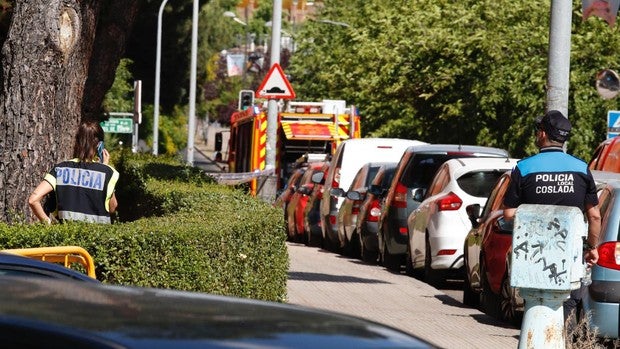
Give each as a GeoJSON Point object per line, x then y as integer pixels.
{"type": "Point", "coordinates": [191, 127]}
{"type": "Point", "coordinates": [268, 192]}
{"type": "Point", "coordinates": [558, 68]}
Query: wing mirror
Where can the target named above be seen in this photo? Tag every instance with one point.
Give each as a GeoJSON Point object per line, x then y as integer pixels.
{"type": "Point", "coordinates": [355, 195]}
{"type": "Point", "coordinates": [418, 194]}
{"type": "Point", "coordinates": [473, 213]}
{"type": "Point", "coordinates": [318, 178]}
{"type": "Point", "coordinates": [339, 192]}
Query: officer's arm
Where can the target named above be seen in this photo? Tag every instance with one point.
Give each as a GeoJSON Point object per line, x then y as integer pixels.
{"type": "Point", "coordinates": [593, 214]}
{"type": "Point", "coordinates": [509, 213]}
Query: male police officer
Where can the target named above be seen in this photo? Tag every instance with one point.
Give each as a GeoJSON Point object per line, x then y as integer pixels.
{"type": "Point", "coordinates": [553, 177]}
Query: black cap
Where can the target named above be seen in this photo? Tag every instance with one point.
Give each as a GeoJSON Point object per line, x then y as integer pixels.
{"type": "Point", "coordinates": [555, 124]}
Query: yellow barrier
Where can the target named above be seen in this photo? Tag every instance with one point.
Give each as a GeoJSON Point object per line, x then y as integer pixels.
{"type": "Point", "coordinates": [59, 254]}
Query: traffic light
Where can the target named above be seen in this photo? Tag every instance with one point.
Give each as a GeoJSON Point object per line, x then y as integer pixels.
{"type": "Point", "coordinates": [246, 99]}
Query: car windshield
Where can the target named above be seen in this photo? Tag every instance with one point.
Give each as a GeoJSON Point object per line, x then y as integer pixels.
{"type": "Point", "coordinates": [479, 183]}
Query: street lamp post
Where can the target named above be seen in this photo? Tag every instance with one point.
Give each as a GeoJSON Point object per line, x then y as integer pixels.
{"type": "Point", "coordinates": [191, 129]}
{"type": "Point", "coordinates": [157, 76]}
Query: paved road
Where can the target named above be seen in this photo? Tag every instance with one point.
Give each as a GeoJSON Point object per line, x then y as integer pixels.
{"type": "Point", "coordinates": [325, 280]}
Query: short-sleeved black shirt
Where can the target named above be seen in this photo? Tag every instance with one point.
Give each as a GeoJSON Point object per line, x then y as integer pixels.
{"type": "Point", "coordinates": [551, 177]}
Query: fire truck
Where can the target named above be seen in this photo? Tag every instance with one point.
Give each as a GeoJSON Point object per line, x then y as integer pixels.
{"type": "Point", "coordinates": [303, 128]}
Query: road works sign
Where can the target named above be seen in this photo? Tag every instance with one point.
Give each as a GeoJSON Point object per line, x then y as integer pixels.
{"type": "Point", "coordinates": [118, 125]}
{"type": "Point", "coordinates": [275, 85]}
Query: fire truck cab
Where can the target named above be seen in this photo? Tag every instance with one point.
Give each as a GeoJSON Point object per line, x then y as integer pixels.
{"type": "Point", "coordinates": [303, 128]}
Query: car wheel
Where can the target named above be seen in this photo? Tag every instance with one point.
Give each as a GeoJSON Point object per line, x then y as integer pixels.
{"type": "Point", "coordinates": [489, 303]}
{"type": "Point", "coordinates": [508, 303]}
{"type": "Point", "coordinates": [354, 249]}
{"type": "Point", "coordinates": [313, 240]}
{"type": "Point", "coordinates": [470, 297]}
{"type": "Point", "coordinates": [409, 263]}
{"type": "Point", "coordinates": [432, 277]}
{"type": "Point", "coordinates": [366, 255]}
{"type": "Point", "coordinates": [390, 261]}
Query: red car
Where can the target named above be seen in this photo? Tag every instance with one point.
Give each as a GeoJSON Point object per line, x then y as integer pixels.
{"type": "Point", "coordinates": [487, 259]}
{"type": "Point", "coordinates": [285, 196]}
{"type": "Point", "coordinates": [298, 202]}
{"type": "Point", "coordinates": [311, 215]}
{"type": "Point", "coordinates": [607, 156]}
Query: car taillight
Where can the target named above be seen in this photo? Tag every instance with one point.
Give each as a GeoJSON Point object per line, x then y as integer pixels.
{"type": "Point", "coordinates": [449, 202]}
{"type": "Point", "coordinates": [374, 212]}
{"type": "Point", "coordinates": [609, 255]}
{"type": "Point", "coordinates": [400, 196]}
{"type": "Point", "coordinates": [355, 209]}
{"type": "Point", "coordinates": [332, 219]}
{"type": "Point", "coordinates": [336, 179]}
{"type": "Point", "coordinates": [446, 252]}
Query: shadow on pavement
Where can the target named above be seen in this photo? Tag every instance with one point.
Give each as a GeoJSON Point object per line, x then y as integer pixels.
{"type": "Point", "coordinates": [489, 320]}
{"type": "Point", "coordinates": [304, 276]}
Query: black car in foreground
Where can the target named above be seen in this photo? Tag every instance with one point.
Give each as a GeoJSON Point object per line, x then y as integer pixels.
{"type": "Point", "coordinates": [51, 313]}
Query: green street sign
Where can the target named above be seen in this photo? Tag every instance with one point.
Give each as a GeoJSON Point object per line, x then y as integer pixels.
{"type": "Point", "coordinates": [118, 125]}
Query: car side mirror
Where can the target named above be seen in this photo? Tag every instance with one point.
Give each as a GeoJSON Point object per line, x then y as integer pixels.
{"type": "Point", "coordinates": [473, 213]}
{"type": "Point", "coordinates": [339, 192]}
{"type": "Point", "coordinates": [305, 190]}
{"type": "Point", "coordinates": [505, 226]}
{"type": "Point", "coordinates": [418, 194]}
{"type": "Point", "coordinates": [355, 195]}
{"type": "Point", "coordinates": [318, 177]}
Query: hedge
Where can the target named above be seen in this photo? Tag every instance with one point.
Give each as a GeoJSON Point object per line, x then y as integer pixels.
{"type": "Point", "coordinates": [177, 229]}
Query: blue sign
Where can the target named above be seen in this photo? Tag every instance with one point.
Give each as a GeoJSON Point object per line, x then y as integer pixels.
{"type": "Point", "coordinates": [613, 123]}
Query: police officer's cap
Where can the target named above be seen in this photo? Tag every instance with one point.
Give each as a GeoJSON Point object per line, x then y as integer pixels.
{"type": "Point", "coordinates": [555, 124]}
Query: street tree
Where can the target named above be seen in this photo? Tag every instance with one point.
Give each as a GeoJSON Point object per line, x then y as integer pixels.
{"type": "Point", "coordinates": [58, 61]}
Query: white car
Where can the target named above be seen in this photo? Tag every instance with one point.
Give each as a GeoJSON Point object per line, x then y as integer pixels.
{"type": "Point", "coordinates": [437, 228]}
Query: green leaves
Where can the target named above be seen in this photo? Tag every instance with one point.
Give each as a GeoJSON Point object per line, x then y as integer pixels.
{"type": "Point", "coordinates": [452, 71]}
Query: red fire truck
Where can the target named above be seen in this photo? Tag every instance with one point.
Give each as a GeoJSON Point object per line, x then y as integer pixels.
{"type": "Point", "coordinates": [303, 128]}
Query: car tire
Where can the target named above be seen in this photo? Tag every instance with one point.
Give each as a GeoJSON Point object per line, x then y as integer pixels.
{"type": "Point", "coordinates": [507, 303]}
{"type": "Point", "coordinates": [470, 297]}
{"type": "Point", "coordinates": [409, 264]}
{"type": "Point", "coordinates": [432, 277]}
{"type": "Point", "coordinates": [366, 255]}
{"type": "Point", "coordinates": [390, 261]}
{"type": "Point", "coordinates": [354, 249]}
{"type": "Point", "coordinates": [489, 303]}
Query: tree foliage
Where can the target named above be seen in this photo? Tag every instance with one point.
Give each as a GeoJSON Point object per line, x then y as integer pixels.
{"type": "Point", "coordinates": [452, 71]}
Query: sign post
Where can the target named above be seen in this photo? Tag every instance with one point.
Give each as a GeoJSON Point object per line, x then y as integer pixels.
{"type": "Point", "coordinates": [613, 123]}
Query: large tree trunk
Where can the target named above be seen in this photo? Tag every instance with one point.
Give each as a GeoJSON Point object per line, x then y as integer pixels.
{"type": "Point", "coordinates": [46, 60]}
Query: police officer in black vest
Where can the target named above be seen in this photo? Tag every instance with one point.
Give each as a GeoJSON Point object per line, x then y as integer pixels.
{"type": "Point", "coordinates": [553, 177]}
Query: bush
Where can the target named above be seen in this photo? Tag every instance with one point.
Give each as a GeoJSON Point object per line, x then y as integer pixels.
{"type": "Point", "coordinates": [194, 235]}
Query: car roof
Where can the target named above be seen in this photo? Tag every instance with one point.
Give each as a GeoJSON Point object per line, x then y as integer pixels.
{"type": "Point", "coordinates": [132, 317]}
{"type": "Point", "coordinates": [34, 267]}
{"type": "Point", "coordinates": [477, 149]}
{"type": "Point", "coordinates": [468, 164]}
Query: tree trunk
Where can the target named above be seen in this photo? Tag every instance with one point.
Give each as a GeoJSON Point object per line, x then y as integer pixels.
{"type": "Point", "coordinates": [46, 60]}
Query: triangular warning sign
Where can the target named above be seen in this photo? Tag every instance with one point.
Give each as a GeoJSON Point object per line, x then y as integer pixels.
{"type": "Point", "coordinates": [275, 85]}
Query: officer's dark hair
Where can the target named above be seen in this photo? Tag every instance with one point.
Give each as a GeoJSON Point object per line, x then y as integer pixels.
{"type": "Point", "coordinates": [89, 134]}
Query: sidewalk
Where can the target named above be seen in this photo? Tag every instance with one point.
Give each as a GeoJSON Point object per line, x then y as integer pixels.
{"type": "Point", "coordinates": [325, 280]}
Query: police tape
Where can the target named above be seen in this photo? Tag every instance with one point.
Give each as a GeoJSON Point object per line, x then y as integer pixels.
{"type": "Point", "coordinates": [241, 177]}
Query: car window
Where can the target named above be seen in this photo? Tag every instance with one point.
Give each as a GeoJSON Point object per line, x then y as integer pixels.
{"type": "Point", "coordinates": [479, 183]}
{"type": "Point", "coordinates": [612, 163]}
{"type": "Point", "coordinates": [420, 171]}
{"type": "Point", "coordinates": [604, 199]}
{"type": "Point", "coordinates": [372, 172]}
{"type": "Point", "coordinates": [496, 197]}
{"type": "Point", "coordinates": [440, 181]}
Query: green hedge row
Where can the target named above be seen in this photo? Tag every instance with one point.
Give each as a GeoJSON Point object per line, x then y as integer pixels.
{"type": "Point", "coordinates": [177, 229]}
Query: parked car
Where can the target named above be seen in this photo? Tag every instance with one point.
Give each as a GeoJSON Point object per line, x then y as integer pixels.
{"type": "Point", "coordinates": [486, 253]}
{"type": "Point", "coordinates": [606, 156]}
{"type": "Point", "coordinates": [298, 202]}
{"type": "Point", "coordinates": [49, 313]}
{"type": "Point", "coordinates": [414, 173]}
{"type": "Point", "coordinates": [438, 226]}
{"type": "Point", "coordinates": [285, 196]}
{"type": "Point", "coordinates": [602, 300]}
{"type": "Point", "coordinates": [349, 157]}
{"type": "Point", "coordinates": [370, 209]}
{"type": "Point", "coordinates": [15, 265]}
{"type": "Point", "coordinates": [349, 210]}
{"type": "Point", "coordinates": [311, 215]}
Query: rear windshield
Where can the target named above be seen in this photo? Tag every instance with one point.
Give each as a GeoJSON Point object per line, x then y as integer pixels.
{"type": "Point", "coordinates": [420, 172]}
{"type": "Point", "coordinates": [479, 183]}
{"type": "Point", "coordinates": [372, 172]}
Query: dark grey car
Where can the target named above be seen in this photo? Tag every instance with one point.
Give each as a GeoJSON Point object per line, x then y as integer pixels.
{"type": "Point", "coordinates": [48, 313]}
{"type": "Point", "coordinates": [414, 173]}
